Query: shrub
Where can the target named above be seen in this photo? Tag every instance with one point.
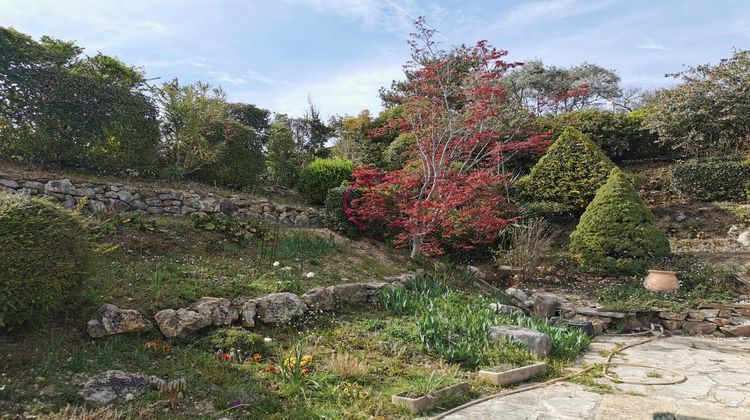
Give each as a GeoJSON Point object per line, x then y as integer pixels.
{"type": "Point", "coordinates": [240, 163]}
{"type": "Point", "coordinates": [711, 179]}
{"type": "Point", "coordinates": [621, 136]}
{"type": "Point", "coordinates": [567, 177]}
{"type": "Point", "coordinates": [617, 231]}
{"type": "Point", "coordinates": [530, 243]}
{"type": "Point", "coordinates": [44, 259]}
{"type": "Point", "coordinates": [322, 175]}
{"type": "Point", "coordinates": [336, 217]}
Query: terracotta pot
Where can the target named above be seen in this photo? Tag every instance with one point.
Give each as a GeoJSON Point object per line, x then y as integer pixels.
{"type": "Point", "coordinates": [661, 281]}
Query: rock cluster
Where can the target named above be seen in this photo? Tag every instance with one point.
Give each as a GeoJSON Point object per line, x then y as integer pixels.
{"type": "Point", "coordinates": [275, 308]}
{"type": "Point", "coordinates": [118, 198]}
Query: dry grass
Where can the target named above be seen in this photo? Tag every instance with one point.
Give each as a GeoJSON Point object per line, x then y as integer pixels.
{"type": "Point", "coordinates": [531, 245]}
{"type": "Point", "coordinates": [71, 412]}
{"type": "Point", "coordinates": [348, 366]}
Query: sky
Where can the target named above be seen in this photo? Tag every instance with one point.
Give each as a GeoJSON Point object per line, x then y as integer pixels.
{"type": "Point", "coordinates": [276, 53]}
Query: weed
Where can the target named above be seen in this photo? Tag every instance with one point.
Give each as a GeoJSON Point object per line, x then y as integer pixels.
{"type": "Point", "coordinates": [347, 366]}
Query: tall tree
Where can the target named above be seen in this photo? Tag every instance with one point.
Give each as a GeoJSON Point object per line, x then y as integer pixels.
{"type": "Point", "coordinates": [458, 111]}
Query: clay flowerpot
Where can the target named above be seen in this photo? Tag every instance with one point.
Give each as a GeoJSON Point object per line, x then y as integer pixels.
{"type": "Point", "coordinates": [661, 281]}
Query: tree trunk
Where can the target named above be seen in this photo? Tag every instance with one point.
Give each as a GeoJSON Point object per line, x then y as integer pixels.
{"type": "Point", "coordinates": [416, 245]}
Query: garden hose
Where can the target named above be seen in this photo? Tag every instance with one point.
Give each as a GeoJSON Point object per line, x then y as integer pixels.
{"type": "Point", "coordinates": [607, 363]}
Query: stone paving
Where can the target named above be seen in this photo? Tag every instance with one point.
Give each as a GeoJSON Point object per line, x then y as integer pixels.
{"type": "Point", "coordinates": [717, 385]}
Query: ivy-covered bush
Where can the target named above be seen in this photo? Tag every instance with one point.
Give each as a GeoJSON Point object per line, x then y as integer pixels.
{"type": "Point", "coordinates": [617, 234]}
{"type": "Point", "coordinates": [44, 259]}
{"type": "Point", "coordinates": [712, 179]}
{"type": "Point", "coordinates": [567, 177]}
{"type": "Point", "coordinates": [621, 136]}
{"type": "Point", "coordinates": [322, 175]}
{"type": "Point", "coordinates": [336, 217]}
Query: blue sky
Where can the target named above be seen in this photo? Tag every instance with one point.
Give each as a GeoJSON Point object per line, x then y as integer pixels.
{"type": "Point", "coordinates": [274, 53]}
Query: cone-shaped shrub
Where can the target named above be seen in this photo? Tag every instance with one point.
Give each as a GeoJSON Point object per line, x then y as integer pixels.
{"type": "Point", "coordinates": [617, 234]}
{"type": "Point", "coordinates": [566, 178]}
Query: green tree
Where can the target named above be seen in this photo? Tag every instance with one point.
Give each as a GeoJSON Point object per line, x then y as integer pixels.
{"type": "Point", "coordinates": [616, 233]}
{"type": "Point", "coordinates": [283, 159]}
{"type": "Point", "coordinates": [64, 109]}
{"type": "Point", "coordinates": [709, 113]}
{"type": "Point", "coordinates": [567, 177]}
{"type": "Point", "coordinates": [188, 115]}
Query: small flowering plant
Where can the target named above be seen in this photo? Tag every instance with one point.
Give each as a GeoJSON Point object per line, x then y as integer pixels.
{"type": "Point", "coordinates": [296, 365]}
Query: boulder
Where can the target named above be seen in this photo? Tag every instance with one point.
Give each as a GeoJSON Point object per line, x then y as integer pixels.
{"type": "Point", "coordinates": [182, 321]}
{"type": "Point", "coordinates": [110, 320]}
{"type": "Point", "coordinates": [698, 327]}
{"type": "Point", "coordinates": [695, 315]}
{"type": "Point", "coordinates": [545, 306]}
{"type": "Point", "coordinates": [675, 316]}
{"type": "Point", "coordinates": [219, 310]}
{"type": "Point", "coordinates": [537, 342]}
{"type": "Point", "coordinates": [359, 292]}
{"type": "Point", "coordinates": [278, 308]}
{"type": "Point", "coordinates": [9, 183]}
{"type": "Point", "coordinates": [671, 324]}
{"type": "Point", "coordinates": [737, 330]}
{"type": "Point", "coordinates": [115, 385]}
{"type": "Point", "coordinates": [517, 294]}
{"type": "Point", "coordinates": [247, 310]}
{"type": "Point", "coordinates": [60, 186]}
{"type": "Point", "coordinates": [744, 238]}
{"type": "Point", "coordinates": [320, 298]}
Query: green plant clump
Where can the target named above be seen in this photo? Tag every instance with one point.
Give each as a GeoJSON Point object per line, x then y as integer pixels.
{"type": "Point", "coordinates": [712, 179]}
{"type": "Point", "coordinates": [240, 339]}
{"type": "Point", "coordinates": [45, 256]}
{"type": "Point", "coordinates": [567, 177]}
{"type": "Point", "coordinates": [336, 218]}
{"type": "Point", "coordinates": [617, 234]}
{"type": "Point", "coordinates": [322, 175]}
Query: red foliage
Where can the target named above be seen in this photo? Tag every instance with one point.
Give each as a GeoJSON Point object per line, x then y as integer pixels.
{"type": "Point", "coordinates": [454, 192]}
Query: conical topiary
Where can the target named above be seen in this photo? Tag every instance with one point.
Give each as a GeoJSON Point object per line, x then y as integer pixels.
{"type": "Point", "coordinates": [565, 179]}
{"type": "Point", "coordinates": [616, 233]}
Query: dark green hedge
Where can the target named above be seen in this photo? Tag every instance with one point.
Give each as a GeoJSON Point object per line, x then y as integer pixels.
{"type": "Point", "coordinates": [336, 219]}
{"type": "Point", "coordinates": [712, 179]}
{"type": "Point", "coordinates": [44, 259]}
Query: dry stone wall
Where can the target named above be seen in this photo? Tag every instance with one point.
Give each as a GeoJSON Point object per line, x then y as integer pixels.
{"type": "Point", "coordinates": [111, 198]}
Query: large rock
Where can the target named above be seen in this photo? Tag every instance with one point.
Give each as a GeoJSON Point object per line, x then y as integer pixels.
{"type": "Point", "coordinates": [278, 308]}
{"type": "Point", "coordinates": [115, 385]}
{"type": "Point", "coordinates": [737, 330]}
{"type": "Point", "coordinates": [744, 238]}
{"type": "Point", "coordinates": [675, 316]}
{"type": "Point", "coordinates": [320, 298]}
{"type": "Point", "coordinates": [180, 322]}
{"type": "Point", "coordinates": [110, 319]}
{"type": "Point", "coordinates": [248, 308]}
{"type": "Point", "coordinates": [354, 293]}
{"type": "Point", "coordinates": [60, 186]}
{"type": "Point", "coordinates": [219, 310]}
{"type": "Point", "coordinates": [545, 306]}
{"type": "Point", "coordinates": [517, 294]}
{"type": "Point", "coordinates": [537, 342]}
{"type": "Point", "coordinates": [505, 309]}
{"type": "Point", "coordinates": [698, 327]}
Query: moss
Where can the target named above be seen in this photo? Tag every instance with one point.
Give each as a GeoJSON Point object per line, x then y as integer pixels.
{"type": "Point", "coordinates": [617, 231]}
{"type": "Point", "coordinates": [44, 259]}
{"type": "Point", "coordinates": [567, 177]}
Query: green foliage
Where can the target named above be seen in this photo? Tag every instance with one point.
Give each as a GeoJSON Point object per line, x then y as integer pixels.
{"type": "Point", "coordinates": [241, 162]}
{"type": "Point", "coordinates": [621, 136]}
{"type": "Point", "coordinates": [241, 339]}
{"type": "Point", "coordinates": [394, 155]}
{"type": "Point", "coordinates": [44, 259]}
{"type": "Point", "coordinates": [321, 175]}
{"type": "Point", "coordinates": [298, 246]}
{"type": "Point", "coordinates": [709, 113]}
{"type": "Point", "coordinates": [65, 110]}
{"type": "Point", "coordinates": [712, 179]}
{"type": "Point", "coordinates": [336, 219]}
{"type": "Point", "coordinates": [617, 231]}
{"type": "Point", "coordinates": [238, 230]}
{"type": "Point", "coordinates": [567, 177]}
{"type": "Point", "coordinates": [283, 160]}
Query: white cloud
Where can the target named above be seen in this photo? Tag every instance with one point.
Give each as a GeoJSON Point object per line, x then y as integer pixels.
{"type": "Point", "coordinates": [543, 11]}
{"type": "Point", "coordinates": [231, 80]}
{"type": "Point", "coordinates": [650, 44]}
{"type": "Point", "coordinates": [392, 15]}
{"type": "Point", "coordinates": [342, 93]}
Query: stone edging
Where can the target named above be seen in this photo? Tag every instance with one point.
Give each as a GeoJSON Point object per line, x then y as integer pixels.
{"type": "Point", "coordinates": [125, 199]}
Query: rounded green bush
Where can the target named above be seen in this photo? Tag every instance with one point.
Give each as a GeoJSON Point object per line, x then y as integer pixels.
{"type": "Point", "coordinates": [44, 259]}
{"type": "Point", "coordinates": [712, 179]}
{"type": "Point", "coordinates": [567, 177]}
{"type": "Point", "coordinates": [617, 234]}
{"type": "Point", "coordinates": [322, 175]}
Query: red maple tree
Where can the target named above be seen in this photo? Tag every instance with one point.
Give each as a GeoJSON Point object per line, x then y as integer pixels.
{"type": "Point", "coordinates": [453, 191]}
